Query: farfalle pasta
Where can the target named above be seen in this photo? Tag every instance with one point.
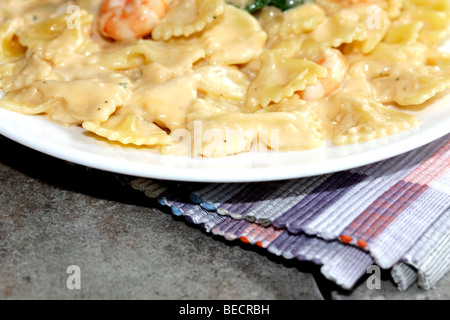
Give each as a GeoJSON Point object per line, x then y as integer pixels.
{"type": "Point", "coordinates": [187, 17]}
{"type": "Point", "coordinates": [214, 78]}
{"type": "Point", "coordinates": [280, 78]}
{"type": "Point", "coordinates": [361, 119]}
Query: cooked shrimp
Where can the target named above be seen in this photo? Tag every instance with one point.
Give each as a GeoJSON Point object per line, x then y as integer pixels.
{"type": "Point", "coordinates": [130, 19]}
{"type": "Point", "coordinates": [337, 66]}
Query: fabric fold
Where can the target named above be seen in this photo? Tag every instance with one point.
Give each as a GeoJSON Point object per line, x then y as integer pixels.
{"type": "Point", "coordinates": [395, 213]}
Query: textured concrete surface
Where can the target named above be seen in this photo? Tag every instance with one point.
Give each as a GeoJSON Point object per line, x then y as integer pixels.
{"type": "Point", "coordinates": [54, 215]}
{"type": "Point", "coordinates": [390, 292]}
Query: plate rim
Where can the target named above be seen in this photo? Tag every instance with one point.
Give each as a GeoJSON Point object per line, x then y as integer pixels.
{"type": "Point", "coordinates": [232, 175]}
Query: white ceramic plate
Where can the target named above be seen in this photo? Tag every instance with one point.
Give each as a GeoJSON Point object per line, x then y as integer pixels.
{"type": "Point", "coordinates": [74, 145]}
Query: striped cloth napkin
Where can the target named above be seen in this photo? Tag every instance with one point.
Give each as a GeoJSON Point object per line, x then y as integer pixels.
{"type": "Point", "coordinates": [394, 213]}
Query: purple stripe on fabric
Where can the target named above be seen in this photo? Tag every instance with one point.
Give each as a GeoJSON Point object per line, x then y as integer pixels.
{"type": "Point", "coordinates": [299, 250]}
{"type": "Point", "coordinates": [292, 248]}
{"type": "Point", "coordinates": [284, 198]}
{"type": "Point", "coordinates": [224, 226]}
{"type": "Point", "coordinates": [329, 251]}
{"type": "Point", "coordinates": [189, 218]}
{"type": "Point", "coordinates": [236, 231]}
{"type": "Point", "coordinates": [347, 267]}
{"type": "Point", "coordinates": [383, 211]}
{"type": "Point", "coordinates": [311, 249]}
{"type": "Point", "coordinates": [278, 242]}
{"type": "Point", "coordinates": [314, 209]}
{"type": "Point", "coordinates": [395, 210]}
{"type": "Point", "coordinates": [318, 200]}
{"type": "Point", "coordinates": [249, 197]}
{"type": "Point", "coordinates": [281, 221]}
{"type": "Point", "coordinates": [182, 206]}
{"type": "Point", "coordinates": [367, 216]}
{"type": "Point", "coordinates": [287, 243]}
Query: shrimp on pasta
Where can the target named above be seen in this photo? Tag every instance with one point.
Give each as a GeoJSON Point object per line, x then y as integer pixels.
{"type": "Point", "coordinates": [130, 19]}
{"type": "Point", "coordinates": [337, 66]}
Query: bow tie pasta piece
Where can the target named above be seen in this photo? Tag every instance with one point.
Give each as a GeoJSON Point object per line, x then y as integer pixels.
{"type": "Point", "coordinates": [202, 109]}
{"type": "Point", "coordinates": [18, 5]}
{"type": "Point", "coordinates": [363, 119]}
{"type": "Point", "coordinates": [335, 30]}
{"type": "Point", "coordinates": [280, 78]}
{"type": "Point", "coordinates": [158, 61]}
{"type": "Point", "coordinates": [66, 102]}
{"type": "Point", "coordinates": [357, 83]}
{"type": "Point", "coordinates": [24, 72]}
{"type": "Point", "coordinates": [401, 74]}
{"type": "Point", "coordinates": [270, 19]}
{"type": "Point", "coordinates": [438, 59]}
{"type": "Point", "coordinates": [294, 103]}
{"type": "Point", "coordinates": [374, 20]}
{"type": "Point", "coordinates": [186, 17]}
{"type": "Point", "coordinates": [170, 102]}
{"type": "Point", "coordinates": [232, 133]}
{"type": "Point", "coordinates": [332, 6]}
{"type": "Point", "coordinates": [364, 25]}
{"type": "Point", "coordinates": [402, 32]}
{"type": "Point", "coordinates": [148, 51]}
{"type": "Point", "coordinates": [304, 18]}
{"type": "Point", "coordinates": [234, 38]}
{"type": "Point", "coordinates": [53, 41]}
{"type": "Point", "coordinates": [210, 105]}
{"type": "Point", "coordinates": [129, 127]}
{"type": "Point", "coordinates": [222, 82]}
{"type": "Point", "coordinates": [363, 70]}
{"type": "Point", "coordinates": [435, 15]}
{"type": "Point", "coordinates": [4, 12]}
{"type": "Point", "coordinates": [291, 23]}
{"type": "Point", "coordinates": [411, 87]}
{"type": "Point", "coordinates": [398, 52]}
{"type": "Point", "coordinates": [10, 48]}
{"type": "Point", "coordinates": [167, 103]}
{"type": "Point", "coordinates": [392, 7]}
{"type": "Point", "coordinates": [361, 24]}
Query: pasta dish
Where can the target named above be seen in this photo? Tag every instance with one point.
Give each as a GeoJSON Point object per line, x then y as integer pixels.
{"type": "Point", "coordinates": [214, 78]}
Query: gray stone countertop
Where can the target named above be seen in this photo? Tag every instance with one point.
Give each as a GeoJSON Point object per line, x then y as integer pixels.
{"type": "Point", "coordinates": [54, 215]}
